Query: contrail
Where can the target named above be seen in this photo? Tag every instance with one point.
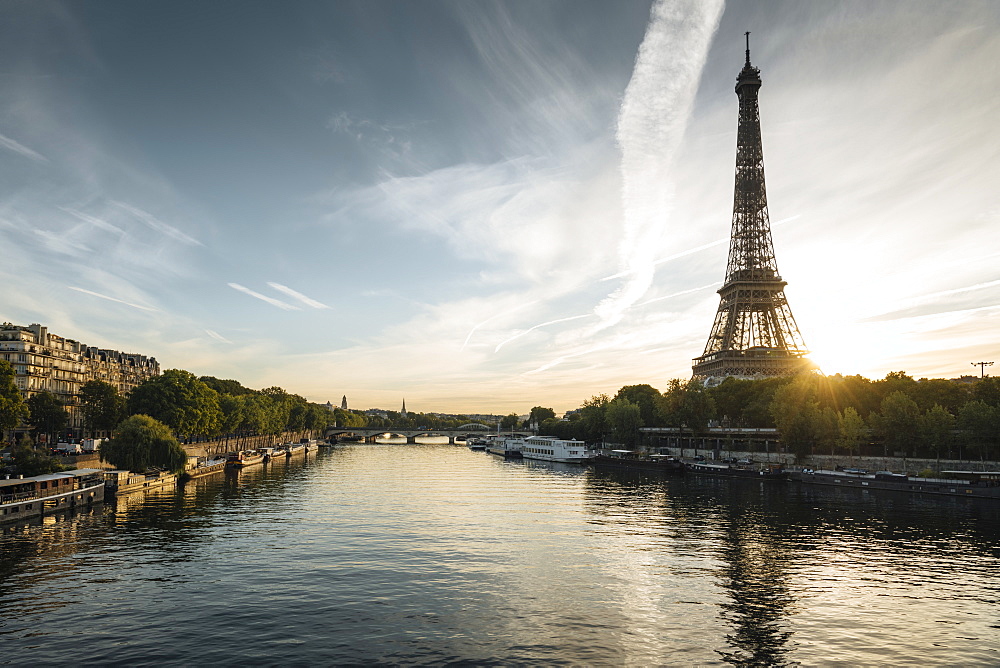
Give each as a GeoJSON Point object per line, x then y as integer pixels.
{"type": "Point", "coordinates": [696, 249]}
{"type": "Point", "coordinates": [493, 317]}
{"type": "Point", "coordinates": [264, 298]}
{"type": "Point", "coordinates": [110, 299]}
{"type": "Point", "coordinates": [651, 124]}
{"type": "Point", "coordinates": [18, 147]}
{"type": "Point", "coordinates": [544, 324]}
{"type": "Point", "coordinates": [297, 295]}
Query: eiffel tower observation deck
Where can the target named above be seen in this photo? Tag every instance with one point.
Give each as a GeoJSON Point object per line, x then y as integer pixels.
{"type": "Point", "coordinates": [754, 334]}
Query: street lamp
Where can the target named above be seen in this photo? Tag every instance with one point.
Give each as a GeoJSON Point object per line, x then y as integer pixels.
{"type": "Point", "coordinates": [982, 367]}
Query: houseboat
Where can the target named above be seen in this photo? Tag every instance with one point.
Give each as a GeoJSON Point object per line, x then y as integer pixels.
{"type": "Point", "coordinates": [638, 461]}
{"type": "Point", "coordinates": [552, 449]}
{"type": "Point", "coordinates": [978, 484]}
{"type": "Point", "coordinates": [26, 498]}
{"type": "Point", "coordinates": [244, 459]}
{"type": "Point", "coordinates": [739, 470]}
{"type": "Point", "coordinates": [123, 482]}
{"type": "Point", "coordinates": [508, 447]}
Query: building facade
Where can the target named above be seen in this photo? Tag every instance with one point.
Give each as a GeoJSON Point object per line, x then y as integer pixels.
{"type": "Point", "coordinates": [46, 362]}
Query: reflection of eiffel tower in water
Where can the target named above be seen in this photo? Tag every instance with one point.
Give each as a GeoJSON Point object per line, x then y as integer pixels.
{"type": "Point", "coordinates": [754, 334]}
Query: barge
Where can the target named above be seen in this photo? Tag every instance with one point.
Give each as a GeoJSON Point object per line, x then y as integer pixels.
{"type": "Point", "coordinates": [634, 461]}
{"type": "Point", "coordinates": [975, 484]}
{"type": "Point", "coordinates": [26, 498]}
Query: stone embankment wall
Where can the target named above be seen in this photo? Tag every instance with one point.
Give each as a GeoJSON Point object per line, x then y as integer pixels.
{"type": "Point", "coordinates": [831, 462]}
{"type": "Point", "coordinates": [203, 449]}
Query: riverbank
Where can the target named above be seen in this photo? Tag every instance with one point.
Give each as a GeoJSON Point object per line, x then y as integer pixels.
{"type": "Point", "coordinates": [831, 462]}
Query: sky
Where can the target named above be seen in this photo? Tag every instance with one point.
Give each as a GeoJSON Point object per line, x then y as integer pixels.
{"type": "Point", "coordinates": [488, 206]}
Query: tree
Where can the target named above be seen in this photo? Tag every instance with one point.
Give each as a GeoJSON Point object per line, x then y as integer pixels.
{"type": "Point", "coordinates": [102, 406]}
{"type": "Point", "coordinates": [935, 428]}
{"type": "Point", "coordinates": [540, 414]}
{"type": "Point", "coordinates": [625, 418]}
{"type": "Point", "coordinates": [30, 462]}
{"type": "Point", "coordinates": [980, 426]}
{"type": "Point", "coordinates": [180, 401]}
{"type": "Point", "coordinates": [13, 409]}
{"type": "Point", "coordinates": [897, 423]}
{"type": "Point", "coordinates": [593, 418]}
{"type": "Point", "coordinates": [851, 430]}
{"type": "Point", "coordinates": [47, 413]}
{"type": "Point", "coordinates": [647, 398]}
{"type": "Point", "coordinates": [141, 443]}
{"type": "Point", "coordinates": [510, 421]}
{"type": "Point", "coordinates": [797, 414]}
{"type": "Point", "coordinates": [687, 404]}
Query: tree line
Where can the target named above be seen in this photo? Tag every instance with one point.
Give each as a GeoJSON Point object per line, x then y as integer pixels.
{"type": "Point", "coordinates": [896, 415]}
{"type": "Point", "coordinates": [156, 416]}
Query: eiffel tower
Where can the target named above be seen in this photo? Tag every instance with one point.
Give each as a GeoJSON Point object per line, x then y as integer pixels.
{"type": "Point", "coordinates": [754, 334]}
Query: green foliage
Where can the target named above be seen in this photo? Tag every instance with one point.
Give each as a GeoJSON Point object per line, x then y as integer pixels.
{"type": "Point", "coordinates": [851, 430]}
{"type": "Point", "coordinates": [593, 419]}
{"type": "Point", "coordinates": [510, 421]}
{"type": "Point", "coordinates": [141, 443]}
{"type": "Point", "coordinates": [540, 414]}
{"type": "Point", "coordinates": [797, 414]}
{"type": "Point", "coordinates": [31, 462]}
{"type": "Point", "coordinates": [936, 425]}
{"type": "Point", "coordinates": [625, 418]}
{"type": "Point", "coordinates": [179, 400]}
{"type": "Point", "coordinates": [687, 404]}
{"type": "Point", "coordinates": [230, 387]}
{"type": "Point", "coordinates": [980, 425]}
{"type": "Point", "coordinates": [47, 413]}
{"type": "Point", "coordinates": [102, 406]}
{"type": "Point", "coordinates": [13, 409]}
{"type": "Point", "coordinates": [647, 398]}
{"type": "Point", "coordinates": [987, 390]}
{"type": "Point", "coordinates": [897, 424]}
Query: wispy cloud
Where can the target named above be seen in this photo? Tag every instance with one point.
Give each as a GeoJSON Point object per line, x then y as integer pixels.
{"type": "Point", "coordinates": [18, 147]}
{"type": "Point", "coordinates": [651, 123]}
{"type": "Point", "coordinates": [218, 337]}
{"type": "Point", "coordinates": [297, 295]}
{"type": "Point", "coordinates": [111, 299]}
{"type": "Point", "coordinates": [264, 298]}
{"type": "Point", "coordinates": [158, 225]}
{"type": "Point", "coordinates": [94, 220]}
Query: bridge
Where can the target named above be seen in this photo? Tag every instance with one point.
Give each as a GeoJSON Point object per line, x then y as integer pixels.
{"type": "Point", "coordinates": [463, 432]}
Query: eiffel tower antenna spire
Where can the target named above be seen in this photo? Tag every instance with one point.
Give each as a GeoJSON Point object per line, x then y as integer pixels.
{"type": "Point", "coordinates": [754, 334]}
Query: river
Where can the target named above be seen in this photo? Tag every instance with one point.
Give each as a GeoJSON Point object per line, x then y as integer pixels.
{"type": "Point", "coordinates": [433, 554]}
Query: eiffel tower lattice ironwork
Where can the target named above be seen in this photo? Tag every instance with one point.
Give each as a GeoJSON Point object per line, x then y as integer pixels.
{"type": "Point", "coordinates": [754, 334]}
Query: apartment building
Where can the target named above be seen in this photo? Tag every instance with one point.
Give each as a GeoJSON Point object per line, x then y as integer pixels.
{"type": "Point", "coordinates": [43, 361]}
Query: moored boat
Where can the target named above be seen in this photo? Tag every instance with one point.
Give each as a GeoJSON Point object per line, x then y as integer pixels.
{"type": "Point", "coordinates": [244, 458]}
{"type": "Point", "coordinates": [976, 484]}
{"type": "Point", "coordinates": [508, 447]}
{"type": "Point", "coordinates": [747, 470]}
{"type": "Point", "coordinates": [552, 449]}
{"type": "Point", "coordinates": [25, 498]}
{"type": "Point", "coordinates": [638, 461]}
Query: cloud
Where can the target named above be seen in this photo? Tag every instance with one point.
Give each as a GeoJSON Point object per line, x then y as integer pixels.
{"type": "Point", "coordinates": [651, 124]}
{"type": "Point", "coordinates": [264, 298]}
{"type": "Point", "coordinates": [218, 337]}
{"type": "Point", "coordinates": [158, 225]}
{"type": "Point", "coordinates": [111, 299]}
{"type": "Point", "coordinates": [297, 295]}
{"type": "Point", "coordinates": [17, 147]}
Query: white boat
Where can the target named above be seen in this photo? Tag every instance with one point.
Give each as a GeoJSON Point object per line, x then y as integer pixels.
{"type": "Point", "coordinates": [508, 447]}
{"type": "Point", "coordinates": [552, 449]}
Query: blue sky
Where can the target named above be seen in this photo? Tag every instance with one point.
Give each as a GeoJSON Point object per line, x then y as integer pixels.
{"type": "Point", "coordinates": [486, 206]}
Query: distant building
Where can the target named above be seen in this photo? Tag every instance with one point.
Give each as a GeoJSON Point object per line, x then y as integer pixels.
{"type": "Point", "coordinates": [45, 362]}
{"type": "Point", "coordinates": [343, 402]}
{"type": "Point", "coordinates": [403, 411]}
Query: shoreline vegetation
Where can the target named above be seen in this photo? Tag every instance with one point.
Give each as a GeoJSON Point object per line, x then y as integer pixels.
{"type": "Point", "coordinates": [852, 416]}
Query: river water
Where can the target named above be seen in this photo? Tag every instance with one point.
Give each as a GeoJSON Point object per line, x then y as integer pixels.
{"type": "Point", "coordinates": [432, 554]}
